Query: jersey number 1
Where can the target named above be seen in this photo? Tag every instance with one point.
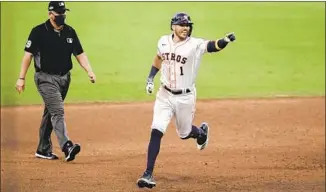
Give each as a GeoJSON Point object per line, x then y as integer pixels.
{"type": "Point", "coordinates": [181, 71]}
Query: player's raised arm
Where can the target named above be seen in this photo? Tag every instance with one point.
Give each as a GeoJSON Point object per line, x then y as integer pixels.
{"type": "Point", "coordinates": [156, 66]}
{"type": "Point", "coordinates": [218, 45]}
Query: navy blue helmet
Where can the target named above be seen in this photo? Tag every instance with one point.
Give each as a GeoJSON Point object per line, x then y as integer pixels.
{"type": "Point", "coordinates": [182, 18]}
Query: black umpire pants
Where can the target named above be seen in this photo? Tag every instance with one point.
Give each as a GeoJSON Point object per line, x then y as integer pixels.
{"type": "Point", "coordinates": [53, 89]}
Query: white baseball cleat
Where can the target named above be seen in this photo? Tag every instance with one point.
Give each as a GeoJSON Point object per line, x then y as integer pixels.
{"type": "Point", "coordinates": [202, 141]}
{"type": "Point", "coordinates": [146, 180]}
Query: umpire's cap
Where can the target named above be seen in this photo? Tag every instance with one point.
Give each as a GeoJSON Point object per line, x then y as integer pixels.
{"type": "Point", "coordinates": [58, 6]}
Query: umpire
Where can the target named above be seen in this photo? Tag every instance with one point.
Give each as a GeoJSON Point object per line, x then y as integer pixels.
{"type": "Point", "coordinates": [52, 44]}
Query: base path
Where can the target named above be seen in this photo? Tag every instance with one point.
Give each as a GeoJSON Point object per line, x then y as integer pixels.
{"type": "Point", "coordinates": [255, 145]}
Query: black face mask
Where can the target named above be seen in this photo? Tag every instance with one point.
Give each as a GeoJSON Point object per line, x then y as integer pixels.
{"type": "Point", "coordinates": [60, 20]}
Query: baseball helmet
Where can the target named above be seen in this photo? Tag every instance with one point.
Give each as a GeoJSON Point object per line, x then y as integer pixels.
{"type": "Point", "coordinates": [182, 18]}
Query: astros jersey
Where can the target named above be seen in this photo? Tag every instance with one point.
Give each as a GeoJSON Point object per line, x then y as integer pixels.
{"type": "Point", "coordinates": [180, 60]}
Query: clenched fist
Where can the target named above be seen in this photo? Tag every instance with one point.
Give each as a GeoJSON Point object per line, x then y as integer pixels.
{"type": "Point", "coordinates": [230, 37]}
{"type": "Point", "coordinates": [92, 76]}
{"type": "Point", "coordinates": [20, 85]}
{"type": "Point", "coordinates": [149, 87]}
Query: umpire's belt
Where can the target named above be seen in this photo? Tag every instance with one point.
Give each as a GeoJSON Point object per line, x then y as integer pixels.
{"type": "Point", "coordinates": [177, 92]}
{"type": "Point", "coordinates": [54, 73]}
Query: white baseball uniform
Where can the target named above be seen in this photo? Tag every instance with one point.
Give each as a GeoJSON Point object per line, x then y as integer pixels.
{"type": "Point", "coordinates": [178, 72]}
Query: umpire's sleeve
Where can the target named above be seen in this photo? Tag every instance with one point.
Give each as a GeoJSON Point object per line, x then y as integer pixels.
{"type": "Point", "coordinates": [77, 47]}
{"type": "Point", "coordinates": [32, 43]}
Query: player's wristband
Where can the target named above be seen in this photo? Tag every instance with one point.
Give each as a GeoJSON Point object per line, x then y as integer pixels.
{"type": "Point", "coordinates": [221, 43]}
{"type": "Point", "coordinates": [214, 46]}
{"type": "Point", "coordinates": [21, 78]}
{"type": "Point", "coordinates": [152, 73]}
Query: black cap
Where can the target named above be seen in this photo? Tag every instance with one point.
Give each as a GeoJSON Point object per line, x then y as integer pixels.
{"type": "Point", "coordinates": [58, 6]}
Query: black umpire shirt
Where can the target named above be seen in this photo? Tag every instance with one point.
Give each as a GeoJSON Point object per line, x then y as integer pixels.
{"type": "Point", "coordinates": [52, 49]}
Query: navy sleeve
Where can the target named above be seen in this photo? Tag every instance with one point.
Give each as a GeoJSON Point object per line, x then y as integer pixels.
{"type": "Point", "coordinates": [32, 44]}
{"type": "Point", "coordinates": [77, 47]}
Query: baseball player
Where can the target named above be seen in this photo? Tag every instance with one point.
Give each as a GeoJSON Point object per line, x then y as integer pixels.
{"type": "Point", "coordinates": [51, 44]}
{"type": "Point", "coordinates": [178, 57]}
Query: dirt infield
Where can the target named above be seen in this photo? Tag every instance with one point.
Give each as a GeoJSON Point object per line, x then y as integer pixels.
{"type": "Point", "coordinates": [255, 145]}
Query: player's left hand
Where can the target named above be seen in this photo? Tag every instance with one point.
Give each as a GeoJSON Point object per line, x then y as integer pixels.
{"type": "Point", "coordinates": [149, 87]}
{"type": "Point", "coordinates": [230, 37]}
{"type": "Point", "coordinates": [92, 76]}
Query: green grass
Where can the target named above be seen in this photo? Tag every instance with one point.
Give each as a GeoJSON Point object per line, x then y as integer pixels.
{"type": "Point", "coordinates": [280, 48]}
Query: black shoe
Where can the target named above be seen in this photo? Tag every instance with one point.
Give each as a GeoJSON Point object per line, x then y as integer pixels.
{"type": "Point", "coordinates": [202, 141]}
{"type": "Point", "coordinates": [146, 180]}
{"type": "Point", "coordinates": [48, 156]}
{"type": "Point", "coordinates": [71, 150]}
